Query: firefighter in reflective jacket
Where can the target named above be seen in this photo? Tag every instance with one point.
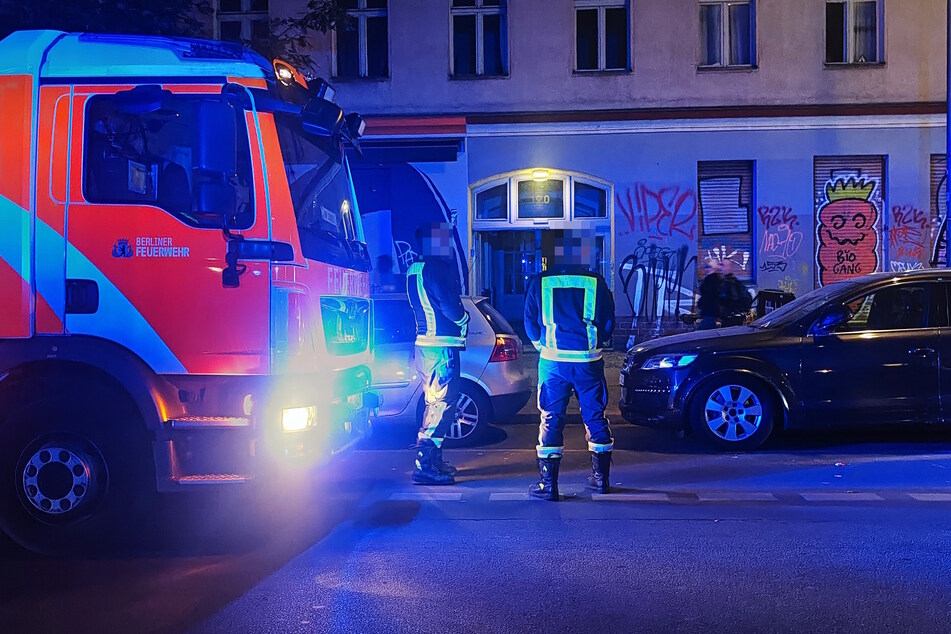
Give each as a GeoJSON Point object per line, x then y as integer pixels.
{"type": "Point", "coordinates": [432, 284]}
{"type": "Point", "coordinates": [569, 316]}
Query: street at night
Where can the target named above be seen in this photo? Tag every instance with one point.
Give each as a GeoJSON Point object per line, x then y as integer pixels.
{"type": "Point", "coordinates": [843, 531]}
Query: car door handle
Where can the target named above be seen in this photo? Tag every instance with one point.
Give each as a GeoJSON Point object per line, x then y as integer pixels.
{"type": "Point", "coordinates": [921, 352]}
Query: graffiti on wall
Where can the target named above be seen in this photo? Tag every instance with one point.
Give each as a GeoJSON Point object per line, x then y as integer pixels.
{"type": "Point", "coordinates": [732, 258]}
{"type": "Point", "coordinates": [848, 216]}
{"type": "Point", "coordinates": [659, 213]}
{"type": "Point", "coordinates": [782, 237]}
{"type": "Point", "coordinates": [655, 279]}
{"type": "Point", "coordinates": [909, 237]}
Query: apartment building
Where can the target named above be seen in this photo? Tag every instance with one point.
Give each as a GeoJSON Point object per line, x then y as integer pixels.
{"type": "Point", "coordinates": [797, 142]}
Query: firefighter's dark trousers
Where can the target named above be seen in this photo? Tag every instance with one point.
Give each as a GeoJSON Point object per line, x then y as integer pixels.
{"type": "Point", "coordinates": [439, 372]}
{"type": "Point", "coordinates": [556, 380]}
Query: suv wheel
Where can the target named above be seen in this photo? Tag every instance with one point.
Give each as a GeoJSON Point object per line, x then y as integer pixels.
{"type": "Point", "coordinates": [733, 412]}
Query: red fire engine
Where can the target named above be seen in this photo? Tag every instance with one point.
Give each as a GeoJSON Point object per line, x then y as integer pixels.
{"type": "Point", "coordinates": [183, 276]}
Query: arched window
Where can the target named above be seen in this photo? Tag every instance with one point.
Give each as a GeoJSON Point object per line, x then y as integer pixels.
{"type": "Point", "coordinates": [537, 197]}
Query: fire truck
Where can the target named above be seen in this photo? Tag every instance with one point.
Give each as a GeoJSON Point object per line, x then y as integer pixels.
{"type": "Point", "coordinates": [184, 292]}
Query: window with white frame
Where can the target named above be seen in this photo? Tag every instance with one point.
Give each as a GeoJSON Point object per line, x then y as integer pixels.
{"type": "Point", "coordinates": [854, 32]}
{"type": "Point", "coordinates": [479, 38]}
{"type": "Point", "coordinates": [243, 21]}
{"type": "Point", "coordinates": [539, 196]}
{"type": "Point", "coordinates": [727, 34]}
{"type": "Point", "coordinates": [361, 42]}
{"type": "Point", "coordinates": [601, 35]}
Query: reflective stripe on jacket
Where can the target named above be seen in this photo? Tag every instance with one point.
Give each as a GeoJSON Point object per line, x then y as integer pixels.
{"type": "Point", "coordinates": [434, 293]}
{"type": "Point", "coordinates": [569, 315]}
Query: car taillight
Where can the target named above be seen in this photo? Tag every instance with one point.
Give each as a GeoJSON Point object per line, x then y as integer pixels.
{"type": "Point", "coordinates": [506, 349]}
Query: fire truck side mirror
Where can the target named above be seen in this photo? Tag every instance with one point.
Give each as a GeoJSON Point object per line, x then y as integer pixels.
{"type": "Point", "coordinates": [322, 118]}
{"type": "Point", "coordinates": [240, 249]}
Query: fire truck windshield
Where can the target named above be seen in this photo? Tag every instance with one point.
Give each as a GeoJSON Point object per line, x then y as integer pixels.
{"type": "Point", "coordinates": [320, 191]}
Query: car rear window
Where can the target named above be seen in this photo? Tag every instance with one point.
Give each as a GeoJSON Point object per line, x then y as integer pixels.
{"type": "Point", "coordinates": [499, 325]}
{"type": "Point", "coordinates": [393, 321]}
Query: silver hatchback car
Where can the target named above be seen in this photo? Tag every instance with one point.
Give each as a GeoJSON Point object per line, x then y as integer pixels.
{"type": "Point", "coordinates": [495, 385]}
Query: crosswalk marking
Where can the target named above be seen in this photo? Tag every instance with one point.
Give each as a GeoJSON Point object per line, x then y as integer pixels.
{"type": "Point", "coordinates": [737, 497]}
{"type": "Point", "coordinates": [931, 497]}
{"type": "Point", "coordinates": [675, 496]}
{"type": "Point", "coordinates": [427, 496]}
{"type": "Point", "coordinates": [631, 497]}
{"type": "Point", "coordinates": [841, 497]}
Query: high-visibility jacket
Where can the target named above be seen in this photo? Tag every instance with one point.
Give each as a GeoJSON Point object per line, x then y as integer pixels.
{"type": "Point", "coordinates": [434, 293]}
{"type": "Point", "coordinates": [569, 314]}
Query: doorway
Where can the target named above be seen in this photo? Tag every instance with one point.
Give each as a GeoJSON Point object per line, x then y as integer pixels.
{"type": "Point", "coordinates": [508, 260]}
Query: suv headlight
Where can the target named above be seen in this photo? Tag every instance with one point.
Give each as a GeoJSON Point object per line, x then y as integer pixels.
{"type": "Point", "coordinates": [670, 360]}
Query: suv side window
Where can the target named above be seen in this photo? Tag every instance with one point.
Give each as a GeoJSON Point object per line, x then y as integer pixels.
{"type": "Point", "coordinates": [187, 154]}
{"type": "Point", "coordinates": [896, 307]}
{"type": "Point", "coordinates": [393, 321]}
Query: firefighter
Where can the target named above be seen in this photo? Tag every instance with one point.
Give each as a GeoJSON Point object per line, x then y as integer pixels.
{"type": "Point", "coordinates": [569, 316]}
{"type": "Point", "coordinates": [432, 283]}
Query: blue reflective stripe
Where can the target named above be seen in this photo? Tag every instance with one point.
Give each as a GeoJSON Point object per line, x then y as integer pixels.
{"type": "Point", "coordinates": [15, 244]}
{"type": "Point", "coordinates": [116, 320]}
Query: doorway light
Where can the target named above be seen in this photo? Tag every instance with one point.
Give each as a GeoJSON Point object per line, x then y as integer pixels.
{"type": "Point", "coordinates": [539, 175]}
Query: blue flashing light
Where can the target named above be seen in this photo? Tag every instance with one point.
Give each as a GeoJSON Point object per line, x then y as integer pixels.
{"type": "Point", "coordinates": [670, 360]}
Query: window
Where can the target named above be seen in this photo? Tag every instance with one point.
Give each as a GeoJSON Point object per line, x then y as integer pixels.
{"type": "Point", "coordinates": [191, 158]}
{"type": "Point", "coordinates": [601, 35]}
{"type": "Point", "coordinates": [479, 38]}
{"type": "Point", "coordinates": [898, 307]}
{"type": "Point", "coordinates": [243, 21]}
{"type": "Point", "coordinates": [530, 198]}
{"type": "Point", "coordinates": [727, 34]}
{"type": "Point", "coordinates": [590, 201]}
{"type": "Point", "coordinates": [541, 199]}
{"type": "Point", "coordinates": [854, 32]}
{"type": "Point", "coordinates": [361, 43]}
{"type": "Point", "coordinates": [323, 200]}
{"type": "Point", "coordinates": [726, 203]}
{"type": "Point", "coordinates": [492, 203]}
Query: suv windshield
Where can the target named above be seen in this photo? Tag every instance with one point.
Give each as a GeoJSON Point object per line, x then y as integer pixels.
{"type": "Point", "coordinates": [789, 313]}
{"type": "Point", "coordinates": [321, 194]}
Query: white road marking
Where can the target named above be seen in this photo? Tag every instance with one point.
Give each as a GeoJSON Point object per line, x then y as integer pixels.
{"type": "Point", "coordinates": [631, 497]}
{"type": "Point", "coordinates": [428, 496]}
{"type": "Point", "coordinates": [841, 497]}
{"type": "Point", "coordinates": [931, 497]}
{"type": "Point", "coordinates": [739, 496]}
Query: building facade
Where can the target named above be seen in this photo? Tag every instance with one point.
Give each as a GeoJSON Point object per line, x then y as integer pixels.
{"type": "Point", "coordinates": [797, 142]}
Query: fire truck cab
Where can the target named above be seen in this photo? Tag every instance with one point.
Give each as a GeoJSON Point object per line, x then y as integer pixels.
{"type": "Point", "coordinates": [183, 276]}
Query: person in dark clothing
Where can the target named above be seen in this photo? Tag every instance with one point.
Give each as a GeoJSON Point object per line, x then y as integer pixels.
{"type": "Point", "coordinates": [709, 303]}
{"type": "Point", "coordinates": [432, 284]}
{"type": "Point", "coordinates": [569, 317]}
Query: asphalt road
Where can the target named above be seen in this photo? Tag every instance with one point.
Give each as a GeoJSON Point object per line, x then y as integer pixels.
{"type": "Point", "coordinates": [842, 531]}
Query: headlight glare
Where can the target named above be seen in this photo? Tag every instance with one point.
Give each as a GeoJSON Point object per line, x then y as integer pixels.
{"type": "Point", "coordinates": [670, 360]}
{"type": "Point", "coordinates": [298, 418]}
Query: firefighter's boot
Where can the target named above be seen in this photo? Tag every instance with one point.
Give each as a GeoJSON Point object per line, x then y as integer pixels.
{"type": "Point", "coordinates": [441, 465]}
{"type": "Point", "coordinates": [599, 480]}
{"type": "Point", "coordinates": [425, 471]}
{"type": "Point", "coordinates": [547, 487]}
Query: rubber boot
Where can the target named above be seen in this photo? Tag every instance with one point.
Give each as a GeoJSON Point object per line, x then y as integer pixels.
{"type": "Point", "coordinates": [425, 471]}
{"type": "Point", "coordinates": [547, 487]}
{"type": "Point", "coordinates": [441, 465]}
{"type": "Point", "coordinates": [599, 480]}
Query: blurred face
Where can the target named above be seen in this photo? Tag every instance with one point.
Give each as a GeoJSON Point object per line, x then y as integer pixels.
{"type": "Point", "coordinates": [439, 241]}
{"type": "Point", "coordinates": [576, 248]}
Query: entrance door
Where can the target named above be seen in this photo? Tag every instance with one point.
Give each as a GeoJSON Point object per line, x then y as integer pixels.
{"type": "Point", "coordinates": [509, 260]}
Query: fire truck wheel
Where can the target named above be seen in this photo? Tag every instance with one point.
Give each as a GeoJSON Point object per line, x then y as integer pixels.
{"type": "Point", "coordinates": [78, 475]}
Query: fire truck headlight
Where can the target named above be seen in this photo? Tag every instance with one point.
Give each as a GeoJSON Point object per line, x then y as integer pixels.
{"type": "Point", "coordinates": [298, 418]}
